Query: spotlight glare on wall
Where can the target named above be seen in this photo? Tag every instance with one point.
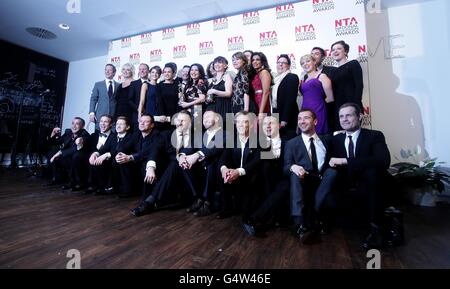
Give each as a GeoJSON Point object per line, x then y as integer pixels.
{"type": "Point", "coordinates": [64, 26]}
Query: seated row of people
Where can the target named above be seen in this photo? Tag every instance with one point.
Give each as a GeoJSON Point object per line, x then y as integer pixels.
{"type": "Point", "coordinates": [255, 175]}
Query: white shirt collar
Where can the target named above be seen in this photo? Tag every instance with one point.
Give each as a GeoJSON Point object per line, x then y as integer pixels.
{"type": "Point", "coordinates": [307, 137]}
{"type": "Point", "coordinates": [354, 134]}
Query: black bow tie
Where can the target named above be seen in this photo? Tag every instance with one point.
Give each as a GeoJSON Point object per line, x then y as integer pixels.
{"type": "Point", "coordinates": [103, 135]}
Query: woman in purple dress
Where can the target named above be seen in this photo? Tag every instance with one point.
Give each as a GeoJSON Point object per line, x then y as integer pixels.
{"type": "Point", "coordinates": [317, 91]}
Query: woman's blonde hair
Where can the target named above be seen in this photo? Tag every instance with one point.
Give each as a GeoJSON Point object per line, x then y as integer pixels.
{"type": "Point", "coordinates": [130, 67]}
{"type": "Point", "coordinates": [307, 57]}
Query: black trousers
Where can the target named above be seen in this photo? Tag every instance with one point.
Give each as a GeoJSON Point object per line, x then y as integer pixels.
{"type": "Point", "coordinates": [72, 166]}
{"type": "Point", "coordinates": [100, 176]}
{"type": "Point", "coordinates": [364, 189]}
{"type": "Point", "coordinates": [241, 196]}
{"type": "Point", "coordinates": [127, 178]}
{"type": "Point", "coordinates": [177, 179]}
{"type": "Point", "coordinates": [309, 194]}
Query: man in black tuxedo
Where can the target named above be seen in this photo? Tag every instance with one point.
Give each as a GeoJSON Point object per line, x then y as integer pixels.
{"type": "Point", "coordinates": [134, 94]}
{"type": "Point", "coordinates": [73, 155]}
{"type": "Point", "coordinates": [362, 158]}
{"type": "Point", "coordinates": [239, 169]}
{"type": "Point", "coordinates": [147, 143]}
{"type": "Point", "coordinates": [122, 174]}
{"type": "Point", "coordinates": [274, 184]}
{"type": "Point", "coordinates": [311, 180]}
{"type": "Point", "coordinates": [207, 157]}
{"type": "Point", "coordinates": [100, 172]}
{"type": "Point", "coordinates": [179, 144]}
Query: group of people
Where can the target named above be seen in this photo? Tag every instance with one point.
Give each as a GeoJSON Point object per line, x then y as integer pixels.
{"type": "Point", "coordinates": [253, 87]}
{"type": "Point", "coordinates": [171, 142]}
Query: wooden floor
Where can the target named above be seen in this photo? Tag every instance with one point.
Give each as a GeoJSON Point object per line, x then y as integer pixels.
{"type": "Point", "coordinates": [39, 225]}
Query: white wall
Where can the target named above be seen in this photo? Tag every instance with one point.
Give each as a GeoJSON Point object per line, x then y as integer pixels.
{"type": "Point", "coordinates": [82, 76]}
{"type": "Point", "coordinates": [409, 95]}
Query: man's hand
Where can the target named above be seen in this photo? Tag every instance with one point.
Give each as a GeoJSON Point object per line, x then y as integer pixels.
{"type": "Point", "coordinates": [299, 171]}
{"type": "Point", "coordinates": [192, 159]}
{"type": "Point", "coordinates": [54, 157]}
{"type": "Point", "coordinates": [182, 162]}
{"type": "Point", "coordinates": [55, 131]}
{"type": "Point", "coordinates": [336, 162]}
{"type": "Point", "coordinates": [150, 175]}
{"type": "Point", "coordinates": [283, 124]}
{"type": "Point", "coordinates": [232, 176]}
{"type": "Point", "coordinates": [122, 158]}
{"type": "Point", "coordinates": [79, 141]}
{"type": "Point", "coordinates": [92, 117]}
{"type": "Point", "coordinates": [93, 158]}
{"type": "Point", "coordinates": [100, 160]}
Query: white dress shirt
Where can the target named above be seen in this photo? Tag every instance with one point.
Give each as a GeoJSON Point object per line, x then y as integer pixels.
{"type": "Point", "coordinates": [275, 146]}
{"type": "Point", "coordinates": [112, 84]}
{"type": "Point", "coordinates": [321, 151]}
{"type": "Point", "coordinates": [355, 136]}
{"type": "Point", "coordinates": [102, 139]}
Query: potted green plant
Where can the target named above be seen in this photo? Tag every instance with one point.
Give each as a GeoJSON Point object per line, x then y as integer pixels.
{"type": "Point", "coordinates": [421, 180]}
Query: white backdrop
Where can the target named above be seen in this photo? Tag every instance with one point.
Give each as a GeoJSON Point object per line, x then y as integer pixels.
{"type": "Point", "coordinates": [291, 29]}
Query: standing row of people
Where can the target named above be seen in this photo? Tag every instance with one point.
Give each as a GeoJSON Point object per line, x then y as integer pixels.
{"type": "Point", "coordinates": [254, 88]}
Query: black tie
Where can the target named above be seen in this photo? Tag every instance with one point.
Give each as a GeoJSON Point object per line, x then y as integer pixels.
{"type": "Point", "coordinates": [119, 139]}
{"type": "Point", "coordinates": [351, 148]}
{"type": "Point", "coordinates": [110, 89]}
{"type": "Point", "coordinates": [103, 135]}
{"type": "Point", "coordinates": [314, 162]}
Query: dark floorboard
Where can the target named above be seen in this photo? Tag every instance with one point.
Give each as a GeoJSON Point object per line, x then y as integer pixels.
{"type": "Point", "coordinates": [39, 225]}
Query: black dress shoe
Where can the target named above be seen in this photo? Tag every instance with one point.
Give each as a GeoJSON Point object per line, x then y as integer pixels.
{"type": "Point", "coordinates": [374, 240]}
{"type": "Point", "coordinates": [195, 206]}
{"type": "Point", "coordinates": [107, 191]}
{"type": "Point", "coordinates": [249, 228]}
{"type": "Point", "coordinates": [66, 187]}
{"type": "Point", "coordinates": [323, 228]}
{"type": "Point", "coordinates": [90, 190]}
{"type": "Point", "coordinates": [205, 210]}
{"type": "Point", "coordinates": [51, 183]}
{"type": "Point", "coordinates": [306, 235]}
{"type": "Point", "coordinates": [77, 188]}
{"type": "Point", "coordinates": [394, 235]}
{"type": "Point", "coordinates": [142, 209]}
{"type": "Point", "coordinates": [224, 214]}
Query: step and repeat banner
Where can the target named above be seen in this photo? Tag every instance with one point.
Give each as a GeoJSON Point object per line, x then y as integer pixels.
{"type": "Point", "coordinates": [291, 29]}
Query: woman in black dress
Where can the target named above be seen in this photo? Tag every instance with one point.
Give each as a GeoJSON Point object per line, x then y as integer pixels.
{"type": "Point", "coordinates": [194, 93]}
{"type": "Point", "coordinates": [219, 95]}
{"type": "Point", "coordinates": [347, 79]}
{"type": "Point", "coordinates": [122, 105]}
{"type": "Point", "coordinates": [241, 85]}
{"type": "Point", "coordinates": [147, 102]}
{"type": "Point", "coordinates": [167, 99]}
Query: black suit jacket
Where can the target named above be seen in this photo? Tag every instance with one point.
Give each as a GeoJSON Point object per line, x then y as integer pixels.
{"type": "Point", "coordinates": [93, 140]}
{"type": "Point", "coordinates": [214, 149]}
{"type": "Point", "coordinates": [134, 96]}
{"type": "Point", "coordinates": [297, 154]}
{"type": "Point", "coordinates": [66, 142]}
{"type": "Point", "coordinates": [287, 100]}
{"type": "Point", "coordinates": [371, 150]}
{"type": "Point", "coordinates": [231, 157]}
{"type": "Point", "coordinates": [148, 148]}
{"type": "Point", "coordinates": [126, 146]}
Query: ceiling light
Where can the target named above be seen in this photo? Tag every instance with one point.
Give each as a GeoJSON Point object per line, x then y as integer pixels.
{"type": "Point", "coordinates": [64, 26]}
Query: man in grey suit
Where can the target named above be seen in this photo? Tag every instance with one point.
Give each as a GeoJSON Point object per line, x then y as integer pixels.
{"type": "Point", "coordinates": [306, 162]}
{"type": "Point", "coordinates": [103, 97]}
